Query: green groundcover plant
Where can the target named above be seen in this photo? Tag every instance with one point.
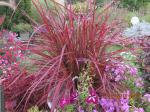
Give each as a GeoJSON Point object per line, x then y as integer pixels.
{"type": "Point", "coordinates": [76, 70]}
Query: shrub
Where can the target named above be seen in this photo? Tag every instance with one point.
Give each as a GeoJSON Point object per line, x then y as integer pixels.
{"type": "Point", "coordinates": [133, 4]}
{"type": "Point", "coordinates": [146, 18]}
{"type": "Point", "coordinates": [22, 27]}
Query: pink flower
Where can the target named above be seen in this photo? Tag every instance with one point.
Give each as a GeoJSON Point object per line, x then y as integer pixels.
{"type": "Point", "coordinates": [146, 98]}
{"type": "Point", "coordinates": [9, 68]}
{"type": "Point", "coordinates": [74, 96]}
{"type": "Point", "coordinates": [124, 101]}
{"type": "Point", "coordinates": [1, 61]}
{"type": "Point", "coordinates": [6, 61]}
{"type": "Point", "coordinates": [118, 78]}
{"type": "Point", "coordinates": [139, 82]}
{"type": "Point", "coordinates": [63, 102]}
{"type": "Point", "coordinates": [95, 110]}
{"type": "Point", "coordinates": [12, 36]}
{"type": "Point", "coordinates": [133, 71]}
{"type": "Point", "coordinates": [92, 98]}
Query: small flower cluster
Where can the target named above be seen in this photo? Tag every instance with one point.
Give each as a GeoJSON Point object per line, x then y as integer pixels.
{"type": "Point", "coordinates": [91, 99]}
{"type": "Point", "coordinates": [139, 82]}
{"type": "Point", "coordinates": [146, 98]}
{"type": "Point", "coordinates": [121, 104]}
{"type": "Point", "coordinates": [119, 70]}
{"type": "Point", "coordinates": [110, 105]}
{"type": "Point", "coordinates": [10, 53]}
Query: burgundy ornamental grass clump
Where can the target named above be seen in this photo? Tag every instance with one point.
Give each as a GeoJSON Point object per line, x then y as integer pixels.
{"type": "Point", "coordinates": [68, 43]}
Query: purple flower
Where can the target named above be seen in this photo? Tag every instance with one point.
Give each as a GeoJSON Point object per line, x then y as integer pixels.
{"type": "Point", "coordinates": [133, 71]}
{"type": "Point", "coordinates": [107, 68]}
{"type": "Point", "coordinates": [118, 78]}
{"type": "Point", "coordinates": [95, 110]}
{"type": "Point", "coordinates": [80, 109]}
{"type": "Point", "coordinates": [124, 101]}
{"type": "Point", "coordinates": [146, 98]}
{"type": "Point", "coordinates": [110, 105]}
{"type": "Point", "coordinates": [139, 82]}
{"type": "Point", "coordinates": [107, 104]}
{"type": "Point", "coordinates": [138, 110]}
{"type": "Point", "coordinates": [125, 108]}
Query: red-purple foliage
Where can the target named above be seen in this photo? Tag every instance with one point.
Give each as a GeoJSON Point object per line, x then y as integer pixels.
{"type": "Point", "coordinates": [15, 87]}
{"type": "Point", "coordinates": [66, 43]}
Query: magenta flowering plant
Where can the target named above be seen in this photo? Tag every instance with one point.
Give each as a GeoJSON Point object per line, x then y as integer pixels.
{"type": "Point", "coordinates": [83, 99]}
{"type": "Point", "coordinates": [11, 56]}
{"type": "Point", "coordinates": [10, 53]}
{"type": "Point", "coordinates": [64, 102]}
{"type": "Point", "coordinates": [74, 96]}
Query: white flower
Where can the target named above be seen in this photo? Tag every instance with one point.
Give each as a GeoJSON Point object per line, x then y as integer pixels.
{"type": "Point", "coordinates": [49, 104]}
{"type": "Point", "coordinates": [135, 20]}
{"type": "Point", "coordinates": [11, 47]}
{"type": "Point", "coordinates": [4, 72]}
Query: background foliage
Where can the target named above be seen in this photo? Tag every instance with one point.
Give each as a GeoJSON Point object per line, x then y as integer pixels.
{"type": "Point", "coordinates": [134, 4]}
{"type": "Point", "coordinates": [18, 17]}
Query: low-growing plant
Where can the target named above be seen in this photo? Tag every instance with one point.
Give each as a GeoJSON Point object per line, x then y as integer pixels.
{"type": "Point", "coordinates": [10, 53]}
